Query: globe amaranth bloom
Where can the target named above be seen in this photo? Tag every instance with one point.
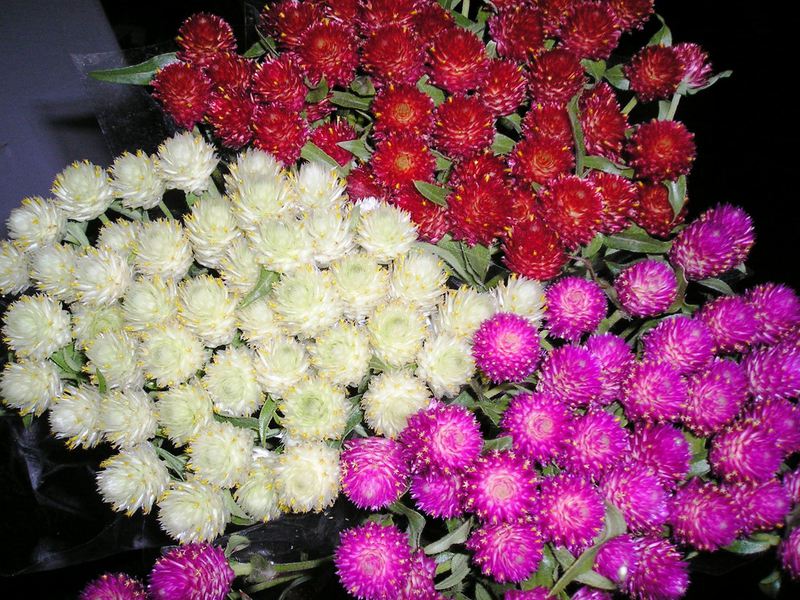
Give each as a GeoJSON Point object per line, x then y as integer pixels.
{"type": "Point", "coordinates": [654, 391]}
{"type": "Point", "coordinates": [660, 571]}
{"type": "Point", "coordinates": [572, 511]}
{"type": "Point", "coordinates": [572, 374]}
{"type": "Point", "coordinates": [597, 442]}
{"type": "Point", "coordinates": [646, 288]}
{"type": "Point", "coordinates": [661, 150]}
{"type": "Point", "coordinates": [438, 494]}
{"type": "Point", "coordinates": [374, 471]}
{"type": "Point", "coordinates": [506, 348]}
{"type": "Point", "coordinates": [732, 321]}
{"type": "Point", "coordinates": [664, 449]}
{"type": "Point", "coordinates": [442, 438]}
{"type": "Point", "coordinates": [615, 358]}
{"type": "Point", "coordinates": [704, 516]}
{"type": "Point", "coordinates": [574, 306]}
{"type": "Point", "coordinates": [191, 572]}
{"type": "Point", "coordinates": [637, 492]}
{"type": "Point", "coordinates": [507, 551]}
{"type": "Point", "coordinates": [114, 586]}
{"type": "Point", "coordinates": [716, 395]}
{"type": "Point", "coordinates": [683, 342]}
{"type": "Point", "coordinates": [539, 425]}
{"type": "Point", "coordinates": [500, 486]}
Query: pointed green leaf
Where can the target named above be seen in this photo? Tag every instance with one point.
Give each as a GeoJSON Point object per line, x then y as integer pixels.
{"type": "Point", "coordinates": [770, 586]}
{"type": "Point", "coordinates": [662, 37]}
{"type": "Point", "coordinates": [616, 77]}
{"type": "Point", "coordinates": [140, 74]}
{"type": "Point", "coordinates": [312, 152]}
{"type": "Point", "coordinates": [265, 418]}
{"type": "Point", "coordinates": [711, 81]}
{"type": "Point", "coordinates": [458, 536]}
{"type": "Point", "coordinates": [677, 193]}
{"type": "Point", "coordinates": [478, 258]}
{"type": "Point", "coordinates": [362, 85]}
{"type": "Point", "coordinates": [318, 93]}
{"type": "Point", "coordinates": [481, 593]}
{"type": "Point", "coordinates": [600, 163]}
{"type": "Point", "coordinates": [501, 443]}
{"type": "Point", "coordinates": [459, 569]}
{"type": "Point", "coordinates": [266, 279]}
{"type": "Point", "coordinates": [596, 580]}
{"type": "Point", "coordinates": [637, 240]}
{"type": "Point", "coordinates": [434, 193]}
{"type": "Point", "coordinates": [255, 50]}
{"type": "Point", "coordinates": [717, 285]}
{"type": "Point", "coordinates": [434, 92]}
{"type": "Point", "coordinates": [348, 100]}
{"type": "Point", "coordinates": [357, 148]}
{"type": "Point", "coordinates": [573, 110]}
{"type": "Point", "coordinates": [750, 546]}
{"type": "Point", "coordinates": [416, 522]}
{"type": "Point", "coordinates": [502, 144]}
{"type": "Point", "coordinates": [595, 68]}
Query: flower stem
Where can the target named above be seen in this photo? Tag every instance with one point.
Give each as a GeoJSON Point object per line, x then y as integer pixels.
{"type": "Point", "coordinates": [241, 569]}
{"type": "Point", "coordinates": [105, 220]}
{"type": "Point", "coordinates": [673, 106]}
{"type": "Point", "coordinates": [630, 105]}
{"type": "Point", "coordinates": [272, 583]}
{"type": "Point", "coordinates": [300, 566]}
{"type": "Point", "coordinates": [165, 210]}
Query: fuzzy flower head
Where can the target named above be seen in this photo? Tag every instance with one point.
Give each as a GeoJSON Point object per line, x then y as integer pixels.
{"type": "Point", "coordinates": [341, 354]}
{"type": "Point", "coordinates": [401, 159]}
{"type": "Point", "coordinates": [506, 348]}
{"type": "Point", "coordinates": [555, 76]}
{"type": "Point", "coordinates": [574, 306]}
{"type": "Point", "coordinates": [36, 326]}
{"type": "Point", "coordinates": [573, 208]}
{"type": "Point", "coordinates": [282, 244]}
{"type": "Point", "coordinates": [238, 267]}
{"type": "Point", "coordinates": [500, 486]}
{"type": "Point", "coordinates": [438, 494]}
{"type": "Point", "coordinates": [82, 191]}
{"type": "Point", "coordinates": [655, 72]}
{"type": "Point", "coordinates": [13, 269]}
{"type": "Point", "coordinates": [521, 296]}
{"type": "Point", "coordinates": [704, 516]}
{"type": "Point", "coordinates": [171, 354]}
{"type": "Point", "coordinates": [316, 185]}
{"type": "Point", "coordinates": [534, 250]}
{"type": "Point", "coordinates": [682, 342]}
{"type": "Point", "coordinates": [132, 479]}
{"type": "Point", "coordinates": [507, 551]}
{"type": "Point", "coordinates": [136, 181]}
{"type": "Point", "coordinates": [30, 386]}
{"type": "Point", "coordinates": [163, 249]}
{"type": "Point", "coordinates": [314, 409]}
{"type": "Point", "coordinates": [88, 322]}
{"type": "Point", "coordinates": [183, 411]}
{"type": "Point", "coordinates": [192, 511]}
{"type": "Point", "coordinates": [637, 492]}
{"type": "Point", "coordinates": [789, 553]}
{"type": "Point", "coordinates": [597, 443]}
{"type": "Point", "coordinates": [257, 323]}
{"type": "Point", "coordinates": [114, 586]}
{"type": "Point", "coordinates": [36, 223]}
{"type": "Point", "coordinates": [232, 384]}
{"type": "Point", "coordinates": [203, 35]}
{"type": "Point", "coordinates": [374, 471]}
{"type": "Point", "coordinates": [75, 416]}
{"type": "Point", "coordinates": [646, 288]}
{"type": "Point", "coordinates": [660, 571]}
{"type": "Point", "coordinates": [615, 358]}
{"type": "Point", "coordinates": [101, 276]}
{"type": "Point", "coordinates": [220, 454]}
{"type": "Point", "coordinates": [386, 232]}
{"type": "Point", "coordinates": [716, 395]}
{"type": "Point", "coordinates": [661, 150]}
{"type": "Point", "coordinates": [207, 309]}
{"type": "Point", "coordinates": [616, 559]}
{"type": "Point", "coordinates": [307, 477]}
{"type": "Point", "coordinates": [127, 417]}
{"type": "Point", "coordinates": [149, 302]}
{"type": "Point", "coordinates": [396, 332]}
{"type": "Point", "coordinates": [539, 425]}
{"type": "Point", "coordinates": [361, 282]}
{"type": "Point", "coordinates": [777, 310]}
{"type": "Point", "coordinates": [461, 312]}
{"type": "Point", "coordinates": [280, 363]}
{"type": "Point", "coordinates": [760, 506]}
{"type": "Point", "coordinates": [185, 162]}
{"type": "Point", "coordinates": [191, 571]}
{"type": "Point", "coordinates": [781, 418]}
{"type": "Point", "coordinates": [480, 210]}
{"type": "Point", "coordinates": [332, 233]}
{"type": "Point", "coordinates": [590, 31]}
{"type": "Point", "coordinates": [458, 60]}
{"type": "Point", "coordinates": [419, 279]}
{"type": "Point", "coordinates": [654, 391]}
{"type": "Point", "coordinates": [446, 364]}
{"type": "Point", "coordinates": [256, 494]}
{"type": "Point", "coordinates": [573, 511]}
{"type": "Point", "coordinates": [52, 270]}
{"type": "Point", "coordinates": [664, 449]}
{"type": "Point", "coordinates": [744, 452]}
{"type": "Point", "coordinates": [119, 236]}
{"type": "Point", "coordinates": [211, 228]}
{"type": "Point", "coordinates": [391, 398]}
{"type": "Point", "coordinates": [115, 355]}
{"type": "Point", "coordinates": [571, 374]}
{"type": "Point", "coordinates": [732, 322]}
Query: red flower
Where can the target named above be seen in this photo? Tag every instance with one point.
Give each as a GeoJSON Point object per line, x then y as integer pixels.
{"type": "Point", "coordinates": [554, 13]}
{"type": "Point", "coordinates": [327, 137]}
{"type": "Point", "coordinates": [480, 210]}
{"type": "Point", "coordinates": [231, 115]}
{"type": "Point", "coordinates": [548, 120]}
{"type": "Point", "coordinates": [378, 13]}
{"type": "Point", "coordinates": [402, 108]}
{"type": "Point", "coordinates": [538, 160]}
{"type": "Point", "coordinates": [288, 20]}
{"type": "Point", "coordinates": [393, 54]}
{"type": "Point", "coordinates": [479, 166]}
{"type": "Point", "coordinates": [602, 122]}
{"type": "Point", "coordinates": [328, 50]}
{"type": "Point", "coordinates": [555, 76]}
{"type": "Point", "coordinates": [345, 12]}
{"type": "Point", "coordinates": [430, 20]}
{"type": "Point", "coordinates": [661, 150]}
{"type": "Point", "coordinates": [631, 14]}
{"type": "Point", "coordinates": [280, 82]}
{"type": "Point", "coordinates": [518, 32]}
{"type": "Point", "coordinates": [319, 110]}
{"type": "Point", "coordinates": [523, 204]}
{"type": "Point", "coordinates": [458, 60]}
{"type": "Point", "coordinates": [432, 220]}
{"type": "Point", "coordinates": [655, 72]}
{"type": "Point", "coordinates": [401, 159]}
{"type": "Point", "coordinates": [280, 132]}
{"type": "Point", "coordinates": [504, 89]}
{"type": "Point", "coordinates": [184, 92]}
{"type": "Point", "coordinates": [361, 183]}
{"type": "Point", "coordinates": [464, 125]}
{"type": "Point", "coordinates": [230, 72]}
{"type": "Point", "coordinates": [696, 68]}
{"type": "Point", "coordinates": [533, 250]}
{"type": "Point", "coordinates": [654, 212]}
{"type": "Point", "coordinates": [620, 200]}
{"type": "Point", "coordinates": [202, 36]}
{"type": "Point", "coordinates": [573, 208]}
{"type": "Point", "coordinates": [590, 31]}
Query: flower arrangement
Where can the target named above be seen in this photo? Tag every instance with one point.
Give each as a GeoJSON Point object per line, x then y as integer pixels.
{"type": "Point", "coordinates": [426, 260]}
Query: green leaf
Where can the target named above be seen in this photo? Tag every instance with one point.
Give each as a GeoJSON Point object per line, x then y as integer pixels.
{"type": "Point", "coordinates": [501, 443]}
{"type": "Point", "coordinates": [357, 148]}
{"type": "Point", "coordinates": [481, 593]}
{"type": "Point", "coordinates": [348, 100]}
{"type": "Point", "coordinates": [235, 509]}
{"type": "Point", "coordinates": [677, 194]}
{"type": "Point", "coordinates": [637, 241]}
{"type": "Point", "coordinates": [502, 144]}
{"type": "Point", "coordinates": [318, 93]}
{"type": "Point", "coordinates": [459, 569]}
{"type": "Point", "coordinates": [454, 260]}
{"type": "Point", "coordinates": [102, 386]}
{"type": "Point", "coordinates": [577, 133]}
{"type": "Point", "coordinates": [141, 74]}
{"type": "Point", "coordinates": [717, 285]}
{"type": "Point", "coordinates": [478, 259]}
{"type": "Point", "coordinates": [711, 81]}
{"type": "Point", "coordinates": [416, 522]}
{"type": "Point", "coordinates": [174, 463]}
{"type": "Point", "coordinates": [600, 163]}
{"type": "Point", "coordinates": [596, 580]}
{"type": "Point", "coordinates": [362, 85]}
{"type": "Point", "coordinates": [770, 586]}
{"type": "Point", "coordinates": [616, 77]}
{"type": "Point", "coordinates": [594, 246]}
{"type": "Point", "coordinates": [545, 574]}
{"type": "Point", "coordinates": [595, 68]}
{"type": "Point", "coordinates": [434, 193]}
{"type": "Point", "coordinates": [699, 468]}
{"type": "Point", "coordinates": [751, 546]}
{"type": "Point", "coordinates": [442, 162]}
{"type": "Point", "coordinates": [255, 50]}
{"type": "Point", "coordinates": [76, 233]}
{"type": "Point", "coordinates": [458, 536]}
{"type": "Point", "coordinates": [27, 420]}
{"type": "Point", "coordinates": [312, 152]}
{"type": "Point", "coordinates": [241, 422]}
{"type": "Point", "coordinates": [265, 417]}
{"type": "Point", "coordinates": [266, 279]}
{"type": "Point", "coordinates": [434, 92]}
{"type": "Point", "coordinates": [614, 523]}
{"type": "Point", "coordinates": [235, 543]}
{"type": "Point", "coordinates": [662, 37]}
{"type": "Point", "coordinates": [491, 49]}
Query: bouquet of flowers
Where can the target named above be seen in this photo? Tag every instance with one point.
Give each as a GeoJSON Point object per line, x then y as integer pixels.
{"type": "Point", "coordinates": [419, 255]}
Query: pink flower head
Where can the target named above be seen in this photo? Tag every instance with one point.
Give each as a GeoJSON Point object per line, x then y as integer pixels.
{"type": "Point", "coordinates": [646, 288]}
{"type": "Point", "coordinates": [615, 358]}
{"type": "Point", "coordinates": [704, 516]}
{"type": "Point", "coordinates": [696, 68]}
{"type": "Point", "coordinates": [777, 311]}
{"type": "Point", "coordinates": [374, 471]}
{"type": "Point", "coordinates": [419, 585]}
{"type": "Point", "coordinates": [597, 443]}
{"type": "Point", "coordinates": [660, 572]}
{"type": "Point", "coordinates": [773, 373]}
{"type": "Point", "coordinates": [191, 571]}
{"type": "Point", "coordinates": [574, 306]}
{"type": "Point", "coordinates": [732, 322]}
{"type": "Point", "coordinates": [538, 593]}
{"type": "Point", "coordinates": [438, 494]}
{"type": "Point", "coordinates": [654, 391]}
{"type": "Point", "coordinates": [745, 452]}
{"type": "Point", "coordinates": [637, 492]}
{"type": "Point", "coordinates": [500, 486]}
{"type": "Point", "coordinates": [685, 343]}
{"type": "Point", "coordinates": [114, 586]}
{"type": "Point", "coordinates": [761, 506]}
{"type": "Point", "coordinates": [664, 449]}
{"type": "Point", "coordinates": [443, 438]}
{"type": "Point", "coordinates": [781, 419]}
{"type": "Point", "coordinates": [616, 559]}
{"type": "Point", "coordinates": [572, 511]}
{"type": "Point", "coordinates": [506, 348]}
{"type": "Point", "coordinates": [571, 374]}
{"type": "Point", "coordinates": [791, 482]}
{"type": "Point", "coordinates": [373, 561]}
{"type": "Point", "coordinates": [539, 425]}
{"type": "Point", "coordinates": [716, 395]}
{"type": "Point", "coordinates": [507, 551]}
{"type": "Point", "coordinates": [789, 553]}
{"type": "Point", "coordinates": [588, 593]}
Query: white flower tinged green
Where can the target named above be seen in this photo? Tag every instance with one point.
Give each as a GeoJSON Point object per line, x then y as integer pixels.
{"type": "Point", "coordinates": [314, 409]}
{"type": "Point", "coordinates": [192, 511]}
{"type": "Point", "coordinates": [183, 411]}
{"type": "Point", "coordinates": [418, 278]}
{"type": "Point", "coordinates": [171, 354]}
{"type": "Point", "coordinates": [75, 416]}
{"type": "Point", "coordinates": [258, 323]}
{"type": "Point", "coordinates": [386, 232]}
{"type": "Point", "coordinates": [220, 454]}
{"type": "Point", "coordinates": [521, 296]}
{"type": "Point", "coordinates": [88, 322]}
{"type": "Point", "coordinates": [239, 268]}
{"type": "Point", "coordinates": [101, 276]}
{"type": "Point", "coordinates": [462, 311]}
{"type": "Point", "coordinates": [317, 185]}
{"type": "Point", "coordinates": [119, 236]}
{"type": "Point", "coordinates": [36, 326]}
{"type": "Point", "coordinates": [36, 223]}
{"type": "Point", "coordinates": [136, 181]}
{"type": "Point", "coordinates": [332, 233]}
{"type": "Point", "coordinates": [446, 364]}
{"type": "Point", "coordinates": [162, 248]}
{"type": "Point", "coordinates": [256, 495]}
{"type": "Point", "coordinates": [149, 302]}
{"type": "Point", "coordinates": [185, 162]}
{"type": "Point", "coordinates": [306, 301]}
{"type": "Point", "coordinates": [13, 269]}
{"type": "Point", "coordinates": [281, 244]}
{"type": "Point", "coordinates": [82, 191]}
{"type": "Point", "coordinates": [307, 477]}
{"type": "Point", "coordinates": [133, 479]}
{"type": "Point", "coordinates": [396, 331]}
{"type": "Point", "coordinates": [361, 282]}
{"type": "Point", "coordinates": [116, 355]}
{"type": "Point", "coordinates": [258, 196]}
{"type": "Point", "coordinates": [208, 309]}
{"type": "Point", "coordinates": [253, 163]}
{"type": "Point", "coordinates": [30, 386]}
{"type": "Point", "coordinates": [279, 364]}
{"type": "Point", "coordinates": [211, 228]}
{"type": "Point", "coordinates": [53, 270]}
{"type": "Point", "coordinates": [392, 397]}
{"type": "Point", "coordinates": [341, 354]}
{"type": "Point", "coordinates": [231, 382]}
{"type": "Point", "coordinates": [127, 417]}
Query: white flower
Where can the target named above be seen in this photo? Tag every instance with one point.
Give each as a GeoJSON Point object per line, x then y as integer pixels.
{"type": "Point", "coordinates": [258, 323]}
{"type": "Point", "coordinates": [361, 282]}
{"type": "Point", "coordinates": [150, 301]}
{"type": "Point", "coordinates": [332, 233]}
{"type": "Point", "coordinates": [231, 382]}
{"type": "Point", "coordinates": [281, 244]}
{"type": "Point", "coordinates": [208, 309]}
{"type": "Point", "coordinates": [53, 270]}
{"type": "Point", "coordinates": [191, 511]}
{"type": "Point", "coordinates": [257, 495]}
{"type": "Point", "coordinates": [257, 196]}
{"type": "Point", "coordinates": [101, 277]}
{"type": "Point", "coordinates": [306, 301]}
{"type": "Point", "coordinates": [82, 191]}
{"type": "Point", "coordinates": [127, 417]}
{"type": "Point", "coordinates": [418, 278]}
{"type": "Point", "coordinates": [238, 267]}
{"type": "Point", "coordinates": [183, 411]}
{"type": "Point", "coordinates": [317, 185]}
{"type": "Point", "coordinates": [521, 296]}
{"type": "Point", "coordinates": [30, 386]}
{"type": "Point", "coordinates": [446, 364]}
{"type": "Point", "coordinates": [252, 163]}
{"type": "Point", "coordinates": [163, 249]}
{"type": "Point", "coordinates": [314, 409]}
{"type": "Point", "coordinates": [307, 477]}
{"type": "Point", "coordinates": [13, 269]}
{"type": "Point", "coordinates": [36, 326]}
{"type": "Point", "coordinates": [88, 322]}
{"type": "Point", "coordinates": [119, 236]}
{"type": "Point", "coordinates": [220, 454]}
{"type": "Point", "coordinates": [280, 363]}
{"type": "Point", "coordinates": [115, 354]}
{"type": "Point", "coordinates": [38, 222]}
{"type": "Point", "coordinates": [171, 354]}
{"type": "Point", "coordinates": [132, 479]}
{"type": "Point", "coordinates": [396, 331]}
{"type": "Point", "coordinates": [75, 416]}
{"type": "Point", "coordinates": [185, 162]}
{"type": "Point", "coordinates": [462, 311]}
{"type": "Point", "coordinates": [211, 229]}
{"type": "Point", "coordinates": [386, 232]}
{"type": "Point", "coordinates": [341, 354]}
{"type": "Point", "coordinates": [391, 398]}
{"type": "Point", "coordinates": [368, 204]}
{"type": "Point", "coordinates": [136, 180]}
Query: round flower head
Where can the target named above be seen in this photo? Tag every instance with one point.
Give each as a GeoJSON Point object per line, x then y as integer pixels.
{"type": "Point", "coordinates": [306, 301]}
{"type": "Point", "coordinates": [573, 208]}
{"type": "Point", "coordinates": [101, 276]}
{"type": "Point", "coordinates": [162, 249]}
{"type": "Point", "coordinates": [506, 551]}
{"type": "Point", "coordinates": [620, 199]}
{"type": "Point", "coordinates": [327, 49]}
{"type": "Point", "coordinates": [538, 593]}
{"type": "Point", "coordinates": [500, 486]}
{"type": "Point", "coordinates": [716, 395]}
{"type": "Point", "coordinates": [332, 233]}
{"type": "Point", "coordinates": [307, 477]}
{"type": "Point", "coordinates": [373, 561]}
{"type": "Point", "coordinates": [419, 581]}
{"type": "Point", "coordinates": [604, 126]}
{"type": "Point", "coordinates": [82, 191]}
{"type": "Point", "coordinates": [201, 36]}
{"type": "Point", "coordinates": [789, 553]}
{"type": "Point", "coordinates": [534, 250]}
{"type": "Point", "coordinates": [13, 269]}
{"type": "Point", "coordinates": [732, 322]}
{"type": "Point", "coordinates": [191, 572]}
{"type": "Point", "coordinates": [114, 586]}
{"type": "Point", "coordinates": [777, 311]}
{"type": "Point", "coordinates": [88, 322]}
{"type": "Point", "coordinates": [664, 449]}
{"type": "Point", "coordinates": [457, 60]}
{"type": "Point", "coordinates": [75, 416]}
{"type": "Point", "coordinates": [401, 159]}
{"type": "Point", "coordinates": [480, 210]}
{"type": "Point", "coordinates": [506, 348]}
{"type": "Point", "coordinates": [361, 282]}
{"type": "Point", "coordinates": [774, 372]}
{"type": "Point", "coordinates": [30, 386]}
{"type": "Point", "coordinates": [115, 355]}
{"type": "Point", "coordinates": [327, 137]}
{"type": "Point", "coordinates": [281, 244]}
{"type": "Point", "coordinates": [136, 181]}
{"type": "Point", "coordinates": [220, 454]}
{"type": "Point", "coordinates": [280, 132]}
{"type": "Point", "coordinates": [171, 354]}
{"type": "Point", "coordinates": [661, 150]}
{"type": "Point", "coordinates": [183, 411]}
{"type": "Point", "coordinates": [745, 452]}
{"type": "Point", "coordinates": [208, 309]}
{"type": "Point", "coordinates": [571, 374]}
{"type": "Point", "coordinates": [574, 306]}
{"type": "Point", "coordinates": [616, 559]}
{"type": "Point", "coordinates": [646, 288]}
{"type": "Point", "coordinates": [36, 326]}
{"type": "Point", "coordinates": [589, 30]}
{"type": "Point", "coordinates": [703, 516]}
{"type": "Point", "coordinates": [132, 479]}
{"type": "Point", "coordinates": [660, 572]}
{"type": "Point", "coordinates": [127, 417]}
{"type": "Point", "coordinates": [374, 472]}
{"type": "Point", "coordinates": [386, 232]}
{"type": "Point", "coordinates": [791, 482]}
{"type": "Point", "coordinates": [211, 228]}
{"type": "Point", "coordinates": [192, 511]}
{"type": "Point", "coordinates": [232, 384]}
{"type": "Point", "coordinates": [555, 76]}
{"type": "Point", "coordinates": [539, 425]}
{"type": "Point", "coordinates": [185, 162]}
{"type": "Point", "coordinates": [401, 108]}
{"type": "Point", "coordinates": [256, 494]}
{"type": "Point", "coordinates": [538, 160]}
{"type": "Point", "coordinates": [654, 72]}
{"type": "Point", "coordinates": [518, 32]}
{"type": "Point", "coordinates": [446, 364]}
{"type": "Point", "coordinates": [521, 296]}
{"type": "Point", "coordinates": [257, 195]}
{"type": "Point", "coordinates": [119, 236]}
{"type": "Point", "coordinates": [341, 354]}
{"type": "Point", "coordinates": [396, 332]}
{"type": "Point", "coordinates": [314, 409]}
{"type": "Point", "coordinates": [36, 223]}
{"type": "Point", "coordinates": [615, 358]}
{"type": "Point", "coordinates": [438, 494]}
{"type": "Point", "coordinates": [780, 418]}
{"type": "Point", "coordinates": [680, 341]}
{"type": "Point", "coordinates": [637, 492]}
{"type": "Point", "coordinates": [238, 267]}
{"type": "Point", "coordinates": [280, 81]}
{"type": "Point", "coordinates": [317, 185]}
{"type": "Point", "coordinates": [149, 302]}
{"type": "Point", "coordinates": [461, 312]}
{"type": "Point", "coordinates": [391, 398]}
{"type": "Point", "coordinates": [597, 442]}
{"type": "Point", "coordinates": [631, 14]}
{"type": "Point", "coordinates": [654, 391]}
{"type": "Point", "coordinates": [52, 271]}
{"type": "Point", "coordinates": [760, 506]}
{"type": "Point", "coordinates": [654, 213]}
{"type": "Point", "coordinates": [572, 511]}
{"type": "Point", "coordinates": [280, 363]}
{"type": "Point", "coordinates": [418, 279]}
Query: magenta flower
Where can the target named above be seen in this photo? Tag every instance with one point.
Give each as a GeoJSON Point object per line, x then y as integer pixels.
{"type": "Point", "coordinates": [574, 306]}
{"type": "Point", "coordinates": [571, 374]}
{"type": "Point", "coordinates": [716, 396]}
{"type": "Point", "coordinates": [664, 449]}
{"type": "Point", "coordinates": [438, 494]}
{"type": "Point", "coordinates": [507, 551]}
{"type": "Point", "coordinates": [500, 486]}
{"type": "Point", "coordinates": [791, 483]}
{"type": "Point", "coordinates": [191, 572]}
{"type": "Point", "coordinates": [572, 511]}
{"type": "Point", "coordinates": [587, 593]}
{"type": "Point", "coordinates": [420, 585]}
{"type": "Point", "coordinates": [732, 322]}
{"type": "Point", "coordinates": [114, 586]}
{"type": "Point", "coordinates": [781, 419]}
{"type": "Point", "coordinates": [660, 572]}
{"type": "Point", "coordinates": [598, 442]}
{"type": "Point", "coordinates": [704, 516]}
{"type": "Point", "coordinates": [374, 471]}
{"type": "Point", "coordinates": [538, 593]}
{"type": "Point", "coordinates": [684, 343]}
{"type": "Point", "coordinates": [654, 391]}
{"type": "Point", "coordinates": [745, 452]}
{"type": "Point", "coordinates": [615, 358]}
{"type": "Point", "coordinates": [637, 492]}
{"type": "Point", "coordinates": [539, 425]}
{"type": "Point", "coordinates": [760, 506]}
{"type": "Point", "coordinates": [777, 311]}
{"type": "Point", "coordinates": [506, 348]}
{"type": "Point", "coordinates": [616, 559]}
{"type": "Point", "coordinates": [773, 372]}
{"type": "Point", "coordinates": [646, 288]}
{"type": "Point", "coordinates": [789, 553]}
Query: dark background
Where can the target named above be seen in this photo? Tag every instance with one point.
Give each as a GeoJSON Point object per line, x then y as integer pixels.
{"type": "Point", "coordinates": [745, 128]}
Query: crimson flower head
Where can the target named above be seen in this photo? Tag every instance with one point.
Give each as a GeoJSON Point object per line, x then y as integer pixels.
{"type": "Point", "coordinates": [361, 183]}
{"type": "Point", "coordinates": [402, 108]}
{"type": "Point", "coordinates": [280, 132]}
{"type": "Point", "coordinates": [548, 120]}
{"type": "Point", "coordinates": [376, 13]}
{"type": "Point", "coordinates": [538, 160]}
{"type": "Point", "coordinates": [401, 159]}
{"type": "Point", "coordinates": [654, 213]}
{"type": "Point", "coordinates": [430, 19]}
{"type": "Point", "coordinates": [661, 150]}
{"type": "Point", "coordinates": [457, 60]}
{"type": "Point", "coordinates": [479, 210]}
{"type": "Point", "coordinates": [573, 207]}
{"type": "Point", "coordinates": [393, 54]}
{"type": "Point", "coordinates": [231, 115]}
{"type": "Point", "coordinates": [230, 73]}
{"type": "Point", "coordinates": [202, 36]}
{"type": "Point", "coordinates": [555, 76]}
{"type": "Point", "coordinates": [432, 221]}
{"type": "Point", "coordinates": [328, 136]}
{"type": "Point", "coordinates": [504, 88]}
{"type": "Point", "coordinates": [631, 14]}
{"type": "Point", "coordinates": [655, 72]}
{"type": "Point", "coordinates": [279, 82]}
{"type": "Point", "coordinates": [286, 21]}
{"type": "Point", "coordinates": [464, 126]}
{"type": "Point", "coordinates": [184, 91]}
{"type": "Point", "coordinates": [533, 249]}
{"type": "Point", "coordinates": [696, 67]}
{"type": "Point", "coordinates": [518, 32]}
{"type": "Point", "coordinates": [602, 122]}
{"type": "Point", "coordinates": [329, 50]}
{"type": "Point", "coordinates": [590, 30]}
{"type": "Point", "coordinates": [620, 200]}
{"type": "Point", "coordinates": [483, 165]}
